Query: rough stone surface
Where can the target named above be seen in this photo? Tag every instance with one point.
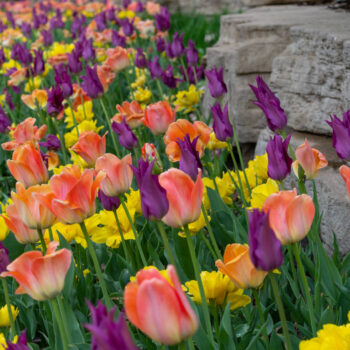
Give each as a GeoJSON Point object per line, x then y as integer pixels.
{"type": "Point", "coordinates": [331, 189]}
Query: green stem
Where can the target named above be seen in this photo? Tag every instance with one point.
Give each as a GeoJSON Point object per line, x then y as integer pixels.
{"type": "Point", "coordinates": [291, 261]}
{"type": "Point", "coordinates": [54, 306]}
{"type": "Point", "coordinates": [97, 266]}
{"type": "Point", "coordinates": [185, 69]}
{"type": "Point", "coordinates": [207, 243]}
{"type": "Point", "coordinates": [200, 283]}
{"type": "Point", "coordinates": [63, 142]}
{"type": "Point", "coordinates": [64, 319]}
{"type": "Point", "coordinates": [137, 238]}
{"type": "Point", "coordinates": [160, 89]}
{"type": "Point", "coordinates": [73, 116]}
{"type": "Point", "coordinates": [190, 343]}
{"type": "Point", "coordinates": [50, 234]}
{"type": "Point", "coordinates": [306, 287]}
{"type": "Point", "coordinates": [7, 299]}
{"type": "Point", "coordinates": [211, 233]}
{"type": "Point", "coordinates": [166, 243]}
{"type": "Point", "coordinates": [262, 318]}
{"type": "Point", "coordinates": [182, 346]}
{"type": "Point", "coordinates": [282, 185]}
{"type": "Point", "coordinates": [43, 244]}
{"type": "Point", "coordinates": [281, 311]}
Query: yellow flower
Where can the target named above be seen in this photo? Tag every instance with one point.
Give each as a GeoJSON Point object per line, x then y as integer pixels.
{"type": "Point", "coordinates": [67, 231]}
{"type": "Point", "coordinates": [218, 289]}
{"type": "Point", "coordinates": [187, 99]}
{"type": "Point", "coordinates": [225, 188]}
{"type": "Point", "coordinates": [261, 192]}
{"type": "Point", "coordinates": [4, 230]}
{"type": "Point", "coordinates": [140, 79]}
{"type": "Point", "coordinates": [3, 343]}
{"type": "Point", "coordinates": [164, 273]}
{"type": "Point", "coordinates": [4, 315]}
{"type": "Point", "coordinates": [330, 337]}
{"type": "Point", "coordinates": [79, 114]}
{"type": "Point", "coordinates": [214, 143]}
{"type": "Point", "coordinates": [260, 166]}
{"type": "Point", "coordinates": [142, 95]}
{"type": "Point", "coordinates": [10, 64]}
{"type": "Point", "coordinates": [133, 200]}
{"type": "Point", "coordinates": [60, 49]}
{"type": "Point", "coordinates": [33, 84]}
{"type": "Point", "coordinates": [59, 169]}
{"type": "Point", "coordinates": [126, 14]}
{"type": "Point", "coordinates": [77, 160]}
{"type": "Point", "coordinates": [71, 137]}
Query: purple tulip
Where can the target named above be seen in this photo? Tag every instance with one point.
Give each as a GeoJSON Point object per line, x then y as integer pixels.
{"type": "Point", "coordinates": [26, 29]}
{"type": "Point", "coordinates": [2, 56]}
{"type": "Point", "coordinates": [108, 203]}
{"type": "Point", "coordinates": [57, 21]}
{"type": "Point", "coordinates": [176, 47]}
{"type": "Point", "coordinates": [168, 78]}
{"type": "Point", "coordinates": [11, 19]}
{"type": "Point", "coordinates": [110, 15]}
{"type": "Point", "coordinates": [154, 202]}
{"type": "Point", "coordinates": [52, 143]}
{"type": "Point", "coordinates": [55, 98]}
{"type": "Point", "coordinates": [189, 161]}
{"type": "Point", "coordinates": [191, 53]}
{"type": "Point", "coordinates": [106, 333]}
{"type": "Point", "coordinates": [125, 136]}
{"type": "Point", "coordinates": [48, 37]}
{"type": "Point", "coordinates": [3, 27]}
{"type": "Point", "coordinates": [160, 44]}
{"type": "Point", "coordinates": [78, 25]}
{"type": "Point", "coordinates": [216, 84]}
{"type": "Point", "coordinates": [39, 64]}
{"type": "Point", "coordinates": [192, 79]}
{"type": "Point", "coordinates": [341, 135]}
{"type": "Point", "coordinates": [222, 126]}
{"type": "Point", "coordinates": [155, 68]}
{"type": "Point", "coordinates": [21, 53]}
{"type": "Point", "coordinates": [265, 249]}
{"type": "Point", "coordinates": [21, 343]}
{"type": "Point", "coordinates": [9, 99]}
{"type": "Point", "coordinates": [162, 20]}
{"type": "Point", "coordinates": [140, 7]}
{"type": "Point", "coordinates": [270, 104]}
{"type": "Point", "coordinates": [4, 258]}
{"type": "Point", "coordinates": [127, 27]}
{"type": "Point", "coordinates": [117, 39]}
{"type": "Point", "coordinates": [88, 52]}
{"type": "Point", "coordinates": [126, 3]}
{"type": "Point", "coordinates": [279, 162]}
{"type": "Point", "coordinates": [63, 80]}
{"type": "Point", "coordinates": [101, 21]}
{"type": "Point", "coordinates": [74, 64]}
{"type": "Point", "coordinates": [140, 59]}
{"type": "Point", "coordinates": [91, 83]}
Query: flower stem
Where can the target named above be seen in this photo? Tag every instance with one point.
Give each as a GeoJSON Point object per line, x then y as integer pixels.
{"type": "Point", "coordinates": [291, 261]}
{"type": "Point", "coordinates": [50, 234]}
{"type": "Point", "coordinates": [7, 299]}
{"type": "Point", "coordinates": [73, 116]}
{"type": "Point", "coordinates": [166, 243]}
{"type": "Point", "coordinates": [160, 90]}
{"type": "Point", "coordinates": [43, 244]}
{"type": "Point", "coordinates": [137, 238]}
{"type": "Point", "coordinates": [64, 318]}
{"type": "Point", "coordinates": [182, 346]}
{"type": "Point", "coordinates": [306, 287]}
{"type": "Point", "coordinates": [97, 266]}
{"type": "Point", "coordinates": [207, 243]}
{"type": "Point", "coordinates": [262, 318]}
{"type": "Point", "coordinates": [200, 284]}
{"type": "Point", "coordinates": [54, 306]}
{"type": "Point", "coordinates": [281, 311]}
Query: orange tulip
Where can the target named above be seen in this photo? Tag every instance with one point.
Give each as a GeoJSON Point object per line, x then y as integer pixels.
{"type": "Point", "coordinates": [105, 75]}
{"type": "Point", "coordinates": [178, 130]}
{"type": "Point", "coordinates": [90, 146]}
{"type": "Point", "coordinates": [58, 59]}
{"type": "Point", "coordinates": [310, 159]}
{"type": "Point", "coordinates": [158, 116]}
{"type": "Point", "coordinates": [117, 60]}
{"type": "Point", "coordinates": [152, 8]}
{"type": "Point", "coordinates": [132, 112]}
{"type": "Point", "coordinates": [79, 96]}
{"type": "Point", "coordinates": [159, 308]}
{"type": "Point", "coordinates": [290, 215]}
{"type": "Point", "coordinates": [345, 173]}
{"type": "Point", "coordinates": [52, 159]}
{"type": "Point", "coordinates": [184, 196]}
{"type": "Point", "coordinates": [38, 98]}
{"type": "Point", "coordinates": [22, 232]}
{"type": "Point", "coordinates": [40, 276]}
{"type": "Point", "coordinates": [17, 77]}
{"type": "Point", "coordinates": [74, 194]}
{"type": "Point", "coordinates": [117, 174]}
{"type": "Point", "coordinates": [27, 165]}
{"type": "Point", "coordinates": [30, 209]}
{"type": "Point", "coordinates": [24, 132]}
{"type": "Point", "coordinates": [238, 266]}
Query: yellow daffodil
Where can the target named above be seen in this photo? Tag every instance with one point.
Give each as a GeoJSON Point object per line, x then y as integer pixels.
{"type": "Point", "coordinates": [4, 315]}
{"type": "Point", "coordinates": [140, 79]}
{"type": "Point", "coordinates": [67, 231]}
{"type": "Point", "coordinates": [4, 230]}
{"type": "Point", "coordinates": [79, 114]}
{"type": "Point", "coordinates": [77, 160]}
{"type": "Point", "coordinates": [60, 49]}
{"type": "Point", "coordinates": [225, 188]}
{"type": "Point", "coordinates": [133, 200]}
{"type": "Point", "coordinates": [33, 84]}
{"type": "Point", "coordinates": [8, 65]}
{"type": "Point", "coordinates": [126, 14]}
{"type": "Point", "coordinates": [214, 143]}
{"type": "Point", "coordinates": [187, 99]}
{"type": "Point", "coordinates": [261, 192]}
{"type": "Point", "coordinates": [142, 95]}
{"type": "Point", "coordinates": [260, 166]}
{"type": "Point", "coordinates": [218, 289]}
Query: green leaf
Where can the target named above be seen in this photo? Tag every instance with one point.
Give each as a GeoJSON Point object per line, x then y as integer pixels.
{"type": "Point", "coordinates": [225, 332]}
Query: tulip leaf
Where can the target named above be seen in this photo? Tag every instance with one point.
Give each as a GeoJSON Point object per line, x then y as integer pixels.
{"type": "Point", "coordinates": [225, 333]}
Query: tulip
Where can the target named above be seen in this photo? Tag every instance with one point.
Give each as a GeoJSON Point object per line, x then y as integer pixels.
{"type": "Point", "coordinates": [88, 52]}
{"type": "Point", "coordinates": [154, 202]}
{"type": "Point", "coordinates": [55, 99]}
{"type": "Point", "coordinates": [117, 174]}
{"type": "Point", "coordinates": [117, 39]}
{"type": "Point", "coordinates": [17, 77]}
{"type": "Point", "coordinates": [160, 44]}
{"type": "Point", "coordinates": [4, 258]}
{"type": "Point", "coordinates": [279, 162]}
{"type": "Point", "coordinates": [63, 80]}
{"type": "Point", "coordinates": [290, 215]}
{"type": "Point", "coordinates": [74, 64]}
{"type": "Point", "coordinates": [270, 104]}
{"type": "Point", "coordinates": [184, 196]}
{"type": "Point", "coordinates": [158, 116]}
{"type": "Point", "coordinates": [125, 136]}
{"type": "Point", "coordinates": [39, 64]}
{"type": "Point", "coordinates": [341, 135]}
{"type": "Point", "coordinates": [140, 58]}
{"type": "Point", "coordinates": [162, 20]}
{"type": "Point", "coordinates": [132, 112]}
{"type": "Point", "coordinates": [264, 247]}
{"type": "Point", "coordinates": [118, 59]}
{"type": "Point", "coordinates": [155, 68]}
{"type": "Point", "coordinates": [191, 53]}
{"type": "Point", "coordinates": [176, 47]}
{"type": "Point", "coordinates": [239, 267]}
{"type": "Point", "coordinates": [345, 173]}
{"type": "Point", "coordinates": [159, 308]}
{"type": "Point", "coordinates": [310, 159]}
{"type": "Point", "coordinates": [52, 143]}
{"type": "Point", "coordinates": [74, 194]}
{"type": "Point", "coordinates": [169, 79]}
{"type": "Point", "coordinates": [27, 165]}
{"type": "Point", "coordinates": [5, 121]}
{"type": "Point", "coordinates": [108, 203]}
{"type": "Point", "coordinates": [90, 146]}
{"type": "Point", "coordinates": [40, 276]}
{"type": "Point", "coordinates": [91, 83]}
{"type": "Point", "coordinates": [150, 153]}
{"type": "Point", "coordinates": [47, 37]}
{"type": "Point", "coordinates": [216, 84]}
{"type": "Point", "coordinates": [221, 125]}
{"type": "Point", "coordinates": [38, 98]}
{"type": "Point", "coordinates": [21, 343]}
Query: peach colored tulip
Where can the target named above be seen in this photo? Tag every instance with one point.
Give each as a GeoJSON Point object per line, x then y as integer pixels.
{"type": "Point", "coordinates": [132, 112]}
{"type": "Point", "coordinates": [38, 98]}
{"type": "Point", "coordinates": [17, 77]}
{"type": "Point", "coordinates": [117, 60]}
{"type": "Point", "coordinates": [185, 197]}
{"type": "Point", "coordinates": [22, 232]}
{"type": "Point", "coordinates": [90, 146]}
{"type": "Point", "coordinates": [58, 59]}
{"type": "Point", "coordinates": [290, 215]}
{"type": "Point", "coordinates": [105, 75]}
{"type": "Point", "coordinates": [158, 116]}
{"type": "Point", "coordinates": [29, 209]}
{"type": "Point", "coordinates": [117, 172]}
{"type": "Point", "coordinates": [152, 8]}
{"type": "Point", "coordinates": [40, 276]}
{"type": "Point", "coordinates": [345, 173]}
{"type": "Point", "coordinates": [74, 194]}
{"type": "Point", "coordinates": [27, 165]}
{"type": "Point", "coordinates": [79, 96]}
{"type": "Point", "coordinates": [158, 308]}
{"type": "Point", "coordinates": [178, 130]}
{"type": "Point", "coordinates": [24, 132]}
{"type": "Point", "coordinates": [310, 159]}
{"type": "Point", "coordinates": [52, 159]}
{"type": "Point", "coordinates": [238, 266]}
